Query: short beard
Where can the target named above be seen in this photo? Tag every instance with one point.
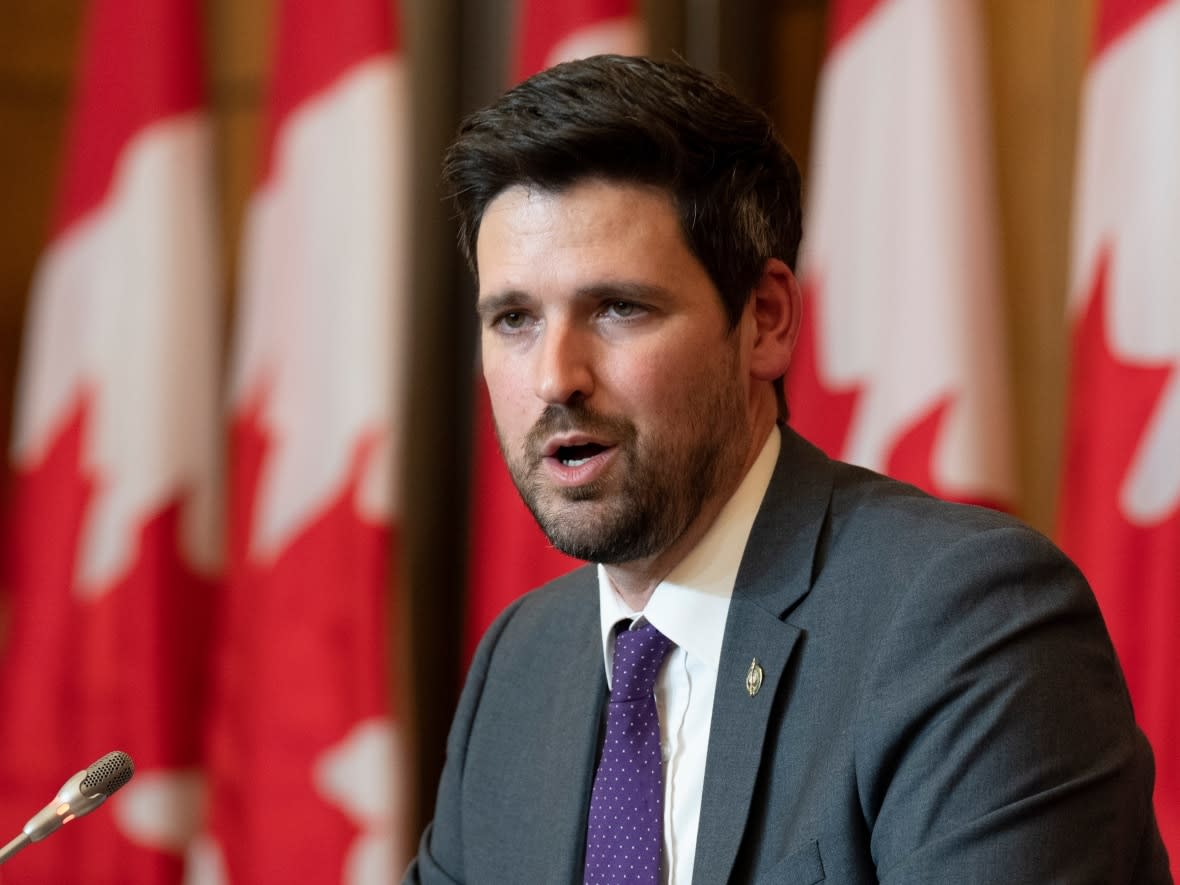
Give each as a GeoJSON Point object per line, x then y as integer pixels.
{"type": "Point", "coordinates": [655, 489]}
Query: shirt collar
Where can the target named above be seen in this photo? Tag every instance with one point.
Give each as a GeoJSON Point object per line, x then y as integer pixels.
{"type": "Point", "coordinates": [690, 605]}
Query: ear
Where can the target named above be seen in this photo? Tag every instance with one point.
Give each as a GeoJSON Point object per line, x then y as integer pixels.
{"type": "Point", "coordinates": [775, 307]}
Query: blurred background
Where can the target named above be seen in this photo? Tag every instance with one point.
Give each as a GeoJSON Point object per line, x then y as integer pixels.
{"type": "Point", "coordinates": [254, 525]}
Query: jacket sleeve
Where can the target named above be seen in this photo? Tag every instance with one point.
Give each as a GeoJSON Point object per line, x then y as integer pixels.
{"type": "Point", "coordinates": [997, 742]}
{"type": "Point", "coordinates": [440, 859]}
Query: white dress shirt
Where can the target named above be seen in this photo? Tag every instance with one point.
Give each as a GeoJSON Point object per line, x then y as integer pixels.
{"type": "Point", "coordinates": [690, 606]}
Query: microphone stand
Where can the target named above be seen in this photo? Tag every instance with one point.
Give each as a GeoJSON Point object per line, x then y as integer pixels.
{"type": "Point", "coordinates": [14, 846]}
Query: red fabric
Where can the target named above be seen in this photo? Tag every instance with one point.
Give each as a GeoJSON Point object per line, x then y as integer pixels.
{"type": "Point", "coordinates": [316, 43]}
{"type": "Point", "coordinates": [1117, 17]}
{"type": "Point", "coordinates": [908, 428]}
{"type": "Point", "coordinates": [301, 664]}
{"type": "Point", "coordinates": [845, 16]}
{"type": "Point", "coordinates": [509, 553]}
{"type": "Point", "coordinates": [819, 410]}
{"type": "Point", "coordinates": [542, 24]}
{"type": "Point", "coordinates": [81, 678]}
{"type": "Point", "coordinates": [822, 413]}
{"type": "Point", "coordinates": [1133, 568]}
{"type": "Point", "coordinates": [1119, 514]}
{"type": "Point", "coordinates": [120, 665]}
{"type": "Point", "coordinates": [141, 63]}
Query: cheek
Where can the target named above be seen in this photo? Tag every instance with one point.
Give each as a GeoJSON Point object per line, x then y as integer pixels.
{"type": "Point", "coordinates": [652, 386]}
{"type": "Point", "coordinates": [509, 397]}
{"type": "Point", "coordinates": [676, 387]}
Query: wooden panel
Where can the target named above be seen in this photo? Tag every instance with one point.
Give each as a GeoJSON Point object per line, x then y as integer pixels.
{"type": "Point", "coordinates": [30, 164]}
{"type": "Point", "coordinates": [39, 39]}
{"type": "Point", "coordinates": [238, 59]}
{"type": "Point", "coordinates": [1036, 54]}
{"type": "Point", "coordinates": [238, 41]}
{"type": "Point", "coordinates": [797, 54]}
{"type": "Point", "coordinates": [37, 49]}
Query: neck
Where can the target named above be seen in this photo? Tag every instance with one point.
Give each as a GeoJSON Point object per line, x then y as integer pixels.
{"type": "Point", "coordinates": [636, 581]}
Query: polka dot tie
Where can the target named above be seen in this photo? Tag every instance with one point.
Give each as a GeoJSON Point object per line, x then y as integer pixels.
{"type": "Point", "coordinates": [625, 832]}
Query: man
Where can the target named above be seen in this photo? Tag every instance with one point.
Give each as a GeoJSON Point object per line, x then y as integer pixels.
{"type": "Point", "coordinates": [853, 682]}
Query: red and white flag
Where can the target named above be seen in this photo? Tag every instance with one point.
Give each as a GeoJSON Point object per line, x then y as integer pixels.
{"type": "Point", "coordinates": [1119, 512]}
{"type": "Point", "coordinates": [307, 769]}
{"type": "Point", "coordinates": [509, 553]}
{"type": "Point", "coordinates": [113, 527]}
{"type": "Point", "coordinates": [900, 365]}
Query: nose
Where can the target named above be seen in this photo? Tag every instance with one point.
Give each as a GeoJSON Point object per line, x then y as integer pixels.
{"type": "Point", "coordinates": [564, 366]}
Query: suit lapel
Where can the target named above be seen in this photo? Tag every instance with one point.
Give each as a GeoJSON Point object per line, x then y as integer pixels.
{"type": "Point", "coordinates": [775, 574]}
{"type": "Point", "coordinates": [738, 733]}
{"type": "Point", "coordinates": [578, 702]}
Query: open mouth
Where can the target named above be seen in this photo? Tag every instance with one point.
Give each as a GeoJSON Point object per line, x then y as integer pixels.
{"type": "Point", "coordinates": [576, 456]}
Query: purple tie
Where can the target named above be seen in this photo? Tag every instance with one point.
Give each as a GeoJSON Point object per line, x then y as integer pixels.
{"type": "Point", "coordinates": [625, 833]}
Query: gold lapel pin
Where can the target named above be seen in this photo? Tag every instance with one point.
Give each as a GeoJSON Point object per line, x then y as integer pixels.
{"type": "Point", "coordinates": [754, 678]}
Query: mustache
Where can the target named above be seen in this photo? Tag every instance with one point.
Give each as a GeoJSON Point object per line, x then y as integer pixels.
{"type": "Point", "coordinates": [576, 418]}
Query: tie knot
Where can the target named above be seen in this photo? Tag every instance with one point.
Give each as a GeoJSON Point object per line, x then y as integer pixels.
{"type": "Point", "coordinates": [638, 656]}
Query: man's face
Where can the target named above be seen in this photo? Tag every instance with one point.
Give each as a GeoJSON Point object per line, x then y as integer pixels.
{"type": "Point", "coordinates": [620, 395]}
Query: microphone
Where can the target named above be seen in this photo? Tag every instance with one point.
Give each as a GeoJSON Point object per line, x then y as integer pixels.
{"type": "Point", "coordinates": [80, 795]}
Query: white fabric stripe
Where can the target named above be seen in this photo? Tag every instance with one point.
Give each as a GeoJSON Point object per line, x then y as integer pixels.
{"type": "Point", "coordinates": [126, 305]}
{"type": "Point", "coordinates": [1127, 182]}
{"type": "Point", "coordinates": [323, 321]}
{"type": "Point", "coordinates": [622, 36]}
{"type": "Point", "coordinates": [900, 239]}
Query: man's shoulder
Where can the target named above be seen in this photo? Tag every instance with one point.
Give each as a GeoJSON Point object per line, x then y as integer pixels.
{"type": "Point", "coordinates": [571, 596]}
{"type": "Point", "coordinates": [865, 501]}
{"type": "Point", "coordinates": [900, 525]}
{"type": "Point", "coordinates": [549, 616]}
{"type": "Point", "coordinates": [850, 533]}
{"type": "Point", "coordinates": [886, 541]}
{"type": "Point", "coordinates": [860, 504]}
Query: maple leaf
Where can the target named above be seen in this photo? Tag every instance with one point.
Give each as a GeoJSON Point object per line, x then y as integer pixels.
{"type": "Point", "coordinates": [44, 521]}
{"type": "Point", "coordinates": [1134, 569]}
{"type": "Point", "coordinates": [1110, 403]}
{"type": "Point", "coordinates": [846, 16]}
{"type": "Point", "coordinates": [823, 413]}
{"type": "Point", "coordinates": [819, 411]}
{"type": "Point", "coordinates": [1116, 19]}
{"type": "Point", "coordinates": [301, 660]}
{"type": "Point", "coordinates": [912, 455]}
{"type": "Point", "coordinates": [362, 777]}
{"type": "Point", "coordinates": [84, 674]}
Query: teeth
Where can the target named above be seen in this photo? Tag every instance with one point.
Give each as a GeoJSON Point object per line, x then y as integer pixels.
{"type": "Point", "coordinates": [574, 462]}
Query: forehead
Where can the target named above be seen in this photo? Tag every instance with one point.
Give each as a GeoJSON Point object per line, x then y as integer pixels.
{"type": "Point", "coordinates": [593, 226]}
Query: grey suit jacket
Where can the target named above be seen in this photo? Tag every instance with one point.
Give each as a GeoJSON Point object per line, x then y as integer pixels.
{"type": "Point", "coordinates": [940, 704]}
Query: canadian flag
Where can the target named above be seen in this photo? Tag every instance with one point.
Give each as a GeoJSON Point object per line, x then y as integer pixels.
{"type": "Point", "coordinates": [307, 770]}
{"type": "Point", "coordinates": [112, 531]}
{"type": "Point", "coordinates": [509, 553]}
{"type": "Point", "coordinates": [1119, 514]}
{"type": "Point", "coordinates": [900, 364]}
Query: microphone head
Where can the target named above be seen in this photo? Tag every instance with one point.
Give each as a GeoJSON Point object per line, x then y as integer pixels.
{"type": "Point", "coordinates": [108, 774]}
{"type": "Point", "coordinates": [81, 794]}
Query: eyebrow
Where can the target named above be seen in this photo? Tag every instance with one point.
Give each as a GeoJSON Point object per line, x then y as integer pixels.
{"type": "Point", "coordinates": [489, 305]}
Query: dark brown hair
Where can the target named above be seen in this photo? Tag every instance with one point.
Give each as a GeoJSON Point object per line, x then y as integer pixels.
{"type": "Point", "coordinates": [637, 120]}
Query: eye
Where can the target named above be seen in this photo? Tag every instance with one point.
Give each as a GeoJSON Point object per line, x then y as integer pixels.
{"type": "Point", "coordinates": [511, 320]}
{"type": "Point", "coordinates": [622, 309]}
